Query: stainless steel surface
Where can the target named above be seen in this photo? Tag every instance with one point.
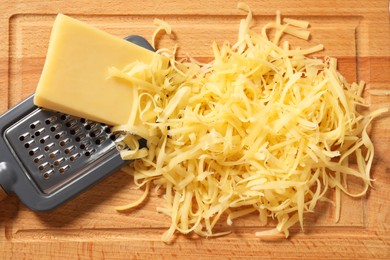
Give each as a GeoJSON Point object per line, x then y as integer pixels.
{"type": "Point", "coordinates": [55, 148]}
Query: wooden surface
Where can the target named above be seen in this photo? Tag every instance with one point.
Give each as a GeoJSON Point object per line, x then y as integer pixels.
{"type": "Point", "coordinates": [88, 227]}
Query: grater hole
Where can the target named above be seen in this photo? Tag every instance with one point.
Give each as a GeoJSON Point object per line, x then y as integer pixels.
{"type": "Point", "coordinates": [100, 140]}
{"type": "Point", "coordinates": [107, 130]}
{"type": "Point", "coordinates": [64, 142]}
{"type": "Point", "coordinates": [33, 151]}
{"type": "Point", "coordinates": [22, 138]}
{"type": "Point", "coordinates": [69, 150]}
{"type": "Point", "coordinates": [58, 162]}
{"type": "Point", "coordinates": [63, 117]}
{"type": "Point", "coordinates": [88, 127]}
{"type": "Point", "coordinates": [83, 120]}
{"type": "Point", "coordinates": [74, 157]}
{"type": "Point", "coordinates": [43, 166]}
{"type": "Point", "coordinates": [48, 147]}
{"type": "Point", "coordinates": [96, 132]}
{"type": "Point", "coordinates": [112, 137]}
{"type": "Point", "coordinates": [44, 139]}
{"type": "Point", "coordinates": [39, 132]}
{"type": "Point", "coordinates": [63, 169]}
{"type": "Point", "coordinates": [47, 174]}
{"type": "Point", "coordinates": [34, 124]}
{"type": "Point", "coordinates": [80, 137]}
{"type": "Point", "coordinates": [89, 152]}
{"type": "Point", "coordinates": [49, 120]}
{"type": "Point", "coordinates": [54, 154]}
{"type": "Point", "coordinates": [38, 159]}
{"type": "Point", "coordinates": [92, 134]}
{"type": "Point", "coordinates": [82, 146]}
{"type": "Point", "coordinates": [75, 130]}
{"type": "Point", "coordinates": [28, 144]}
{"type": "Point", "coordinates": [70, 123]}
{"type": "Point", "coordinates": [52, 128]}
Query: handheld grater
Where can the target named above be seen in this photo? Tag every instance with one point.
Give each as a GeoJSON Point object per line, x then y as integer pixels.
{"type": "Point", "coordinates": [47, 157]}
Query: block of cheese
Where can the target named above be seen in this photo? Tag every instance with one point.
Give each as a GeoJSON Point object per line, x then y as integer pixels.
{"type": "Point", "coordinates": [75, 79]}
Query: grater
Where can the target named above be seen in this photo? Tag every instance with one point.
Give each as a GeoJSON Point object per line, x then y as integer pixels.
{"type": "Point", "coordinates": [47, 157]}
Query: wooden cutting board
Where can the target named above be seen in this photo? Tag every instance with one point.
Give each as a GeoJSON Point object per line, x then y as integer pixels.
{"type": "Point", "coordinates": [356, 32]}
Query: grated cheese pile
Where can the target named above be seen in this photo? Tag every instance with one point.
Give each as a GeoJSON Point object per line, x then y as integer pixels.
{"type": "Point", "coordinates": [262, 128]}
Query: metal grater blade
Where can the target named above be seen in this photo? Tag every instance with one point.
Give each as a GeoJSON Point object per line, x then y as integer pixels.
{"type": "Point", "coordinates": [55, 148]}
{"type": "Point", "coordinates": [47, 158]}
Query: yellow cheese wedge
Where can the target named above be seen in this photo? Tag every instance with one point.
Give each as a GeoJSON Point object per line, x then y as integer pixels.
{"type": "Point", "coordinates": [75, 79]}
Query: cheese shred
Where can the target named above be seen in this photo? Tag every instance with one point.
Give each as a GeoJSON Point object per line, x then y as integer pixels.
{"type": "Point", "coordinates": [261, 129]}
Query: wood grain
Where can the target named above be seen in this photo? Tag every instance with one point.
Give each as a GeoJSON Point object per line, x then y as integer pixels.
{"type": "Point", "coordinates": [88, 227]}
